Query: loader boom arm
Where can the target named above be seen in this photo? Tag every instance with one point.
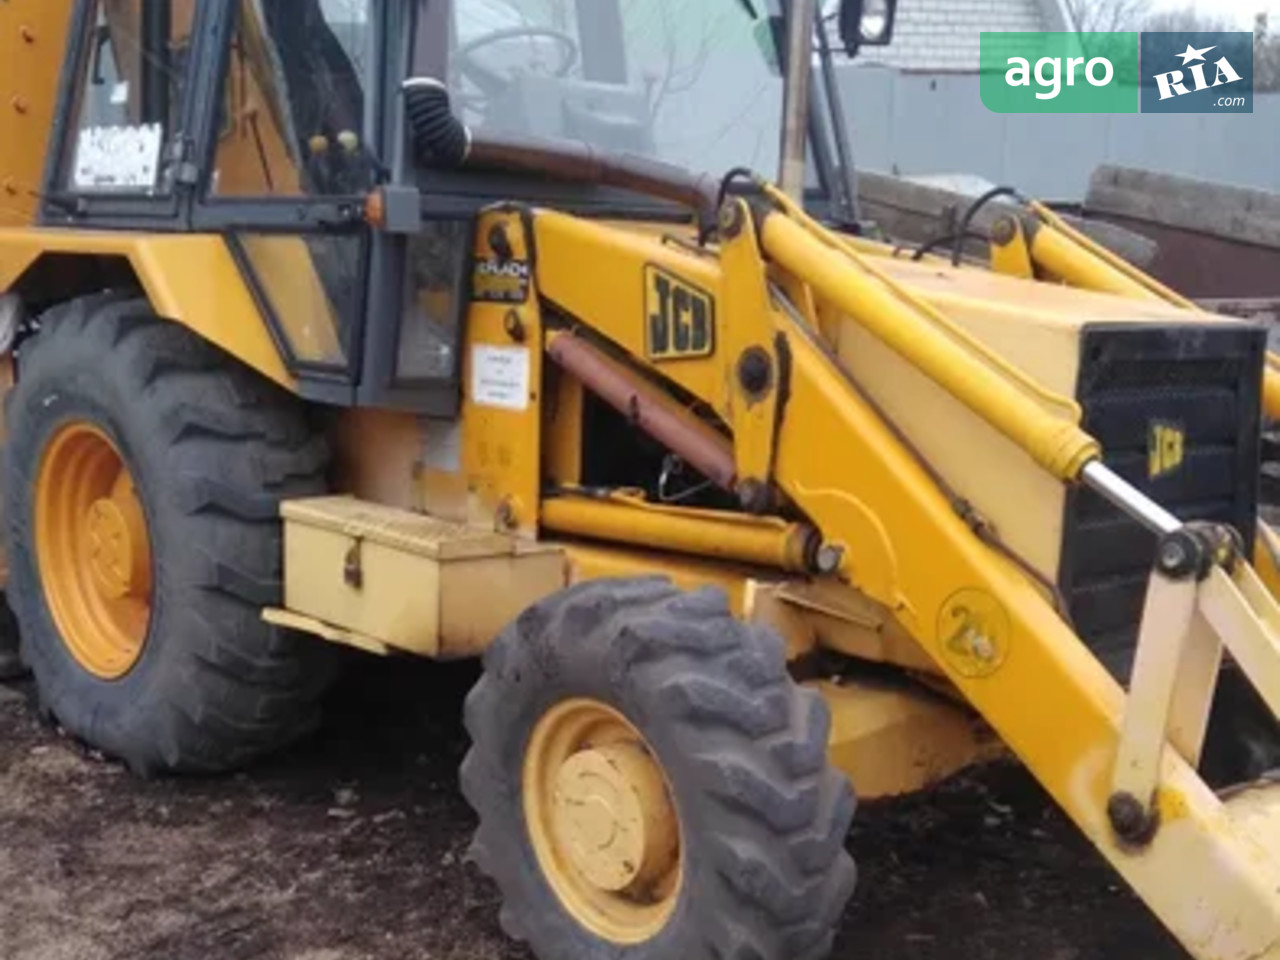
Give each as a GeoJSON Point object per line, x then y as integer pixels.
{"type": "Point", "coordinates": [997, 637]}
{"type": "Point", "coordinates": [904, 542]}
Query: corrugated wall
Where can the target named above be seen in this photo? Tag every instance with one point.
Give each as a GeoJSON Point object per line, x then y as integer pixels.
{"type": "Point", "coordinates": [912, 124]}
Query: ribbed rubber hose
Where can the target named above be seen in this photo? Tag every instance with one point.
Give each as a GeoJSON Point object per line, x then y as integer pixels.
{"type": "Point", "coordinates": [437, 134]}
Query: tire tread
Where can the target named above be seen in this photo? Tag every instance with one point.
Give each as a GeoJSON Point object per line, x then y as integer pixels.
{"type": "Point", "coordinates": [242, 687]}
{"type": "Point", "coordinates": [753, 737]}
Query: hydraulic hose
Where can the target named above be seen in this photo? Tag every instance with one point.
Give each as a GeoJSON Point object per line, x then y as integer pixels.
{"type": "Point", "coordinates": [441, 140]}
{"type": "Point", "coordinates": [1056, 443]}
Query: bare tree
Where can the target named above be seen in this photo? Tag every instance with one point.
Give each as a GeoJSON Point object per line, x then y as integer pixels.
{"type": "Point", "coordinates": [685, 47]}
{"type": "Point", "coordinates": [1186, 20]}
{"type": "Point", "coordinates": [1266, 44]}
{"type": "Point", "coordinates": [1103, 19]}
{"type": "Point", "coordinates": [1107, 16]}
{"type": "Point", "coordinates": [1266, 56]}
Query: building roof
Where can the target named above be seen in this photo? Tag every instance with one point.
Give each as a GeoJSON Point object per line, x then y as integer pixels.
{"type": "Point", "coordinates": [945, 35]}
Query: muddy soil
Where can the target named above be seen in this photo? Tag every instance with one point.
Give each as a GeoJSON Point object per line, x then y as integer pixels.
{"type": "Point", "coordinates": [350, 847]}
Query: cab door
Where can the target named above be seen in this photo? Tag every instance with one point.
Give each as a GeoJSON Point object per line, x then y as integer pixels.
{"type": "Point", "coordinates": [288, 157]}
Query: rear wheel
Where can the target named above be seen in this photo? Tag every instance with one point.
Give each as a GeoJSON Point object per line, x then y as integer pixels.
{"type": "Point", "coordinates": [143, 477]}
{"type": "Point", "coordinates": [652, 784]}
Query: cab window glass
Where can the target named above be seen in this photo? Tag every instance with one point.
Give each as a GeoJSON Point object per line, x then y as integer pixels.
{"type": "Point", "coordinates": [313, 287]}
{"type": "Point", "coordinates": [689, 82]}
{"type": "Point", "coordinates": [293, 100]}
{"type": "Point", "coordinates": [437, 258]}
{"type": "Point", "coordinates": [128, 97]}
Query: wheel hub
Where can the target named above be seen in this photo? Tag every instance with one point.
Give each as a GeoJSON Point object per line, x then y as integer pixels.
{"type": "Point", "coordinates": [110, 551]}
{"type": "Point", "coordinates": [93, 550]}
{"type": "Point", "coordinates": [601, 821]}
{"type": "Point", "coordinates": [612, 816]}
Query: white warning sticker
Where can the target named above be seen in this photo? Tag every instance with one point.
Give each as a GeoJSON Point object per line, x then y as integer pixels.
{"type": "Point", "coordinates": [500, 377]}
{"type": "Point", "coordinates": [118, 158]}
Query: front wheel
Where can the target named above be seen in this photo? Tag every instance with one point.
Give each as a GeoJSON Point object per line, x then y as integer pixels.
{"type": "Point", "coordinates": [651, 783]}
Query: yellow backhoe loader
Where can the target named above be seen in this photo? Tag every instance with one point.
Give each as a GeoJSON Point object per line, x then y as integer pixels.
{"type": "Point", "coordinates": [416, 327]}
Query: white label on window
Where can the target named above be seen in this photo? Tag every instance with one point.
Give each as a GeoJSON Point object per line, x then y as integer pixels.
{"type": "Point", "coordinates": [115, 158]}
{"type": "Point", "coordinates": [500, 377]}
{"type": "Point", "coordinates": [120, 94]}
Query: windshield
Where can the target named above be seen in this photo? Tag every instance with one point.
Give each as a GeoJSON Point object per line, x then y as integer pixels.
{"type": "Point", "coordinates": [684, 82]}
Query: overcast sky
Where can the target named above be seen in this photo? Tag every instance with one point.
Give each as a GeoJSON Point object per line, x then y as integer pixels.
{"type": "Point", "coordinates": [1241, 11]}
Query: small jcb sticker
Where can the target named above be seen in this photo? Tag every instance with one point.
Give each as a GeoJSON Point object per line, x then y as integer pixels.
{"type": "Point", "coordinates": [497, 281]}
{"type": "Point", "coordinates": [973, 631]}
{"type": "Point", "coordinates": [1166, 448]}
{"type": "Point", "coordinates": [681, 318]}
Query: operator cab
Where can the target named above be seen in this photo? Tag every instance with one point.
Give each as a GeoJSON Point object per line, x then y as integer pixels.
{"type": "Point", "coordinates": [273, 121]}
{"type": "Point", "coordinates": [527, 75]}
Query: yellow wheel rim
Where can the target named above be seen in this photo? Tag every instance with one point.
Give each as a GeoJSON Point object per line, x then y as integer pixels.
{"type": "Point", "coordinates": [601, 820]}
{"type": "Point", "coordinates": [93, 550]}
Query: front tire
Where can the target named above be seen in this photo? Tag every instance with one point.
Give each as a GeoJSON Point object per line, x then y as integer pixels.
{"type": "Point", "coordinates": [590, 704]}
{"type": "Point", "coordinates": [143, 478]}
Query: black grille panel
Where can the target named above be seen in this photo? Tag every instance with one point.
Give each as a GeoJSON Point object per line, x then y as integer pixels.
{"type": "Point", "coordinates": [1202, 379]}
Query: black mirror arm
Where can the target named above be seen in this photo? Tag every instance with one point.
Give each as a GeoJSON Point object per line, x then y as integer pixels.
{"type": "Point", "coordinates": [851, 25]}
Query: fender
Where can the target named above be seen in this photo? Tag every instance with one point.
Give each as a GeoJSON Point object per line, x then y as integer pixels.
{"type": "Point", "coordinates": [191, 279]}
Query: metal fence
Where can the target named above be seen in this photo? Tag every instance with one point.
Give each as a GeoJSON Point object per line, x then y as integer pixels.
{"type": "Point", "coordinates": [917, 124]}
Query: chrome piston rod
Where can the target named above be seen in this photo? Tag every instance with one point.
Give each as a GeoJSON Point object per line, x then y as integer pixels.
{"type": "Point", "coordinates": [1119, 491]}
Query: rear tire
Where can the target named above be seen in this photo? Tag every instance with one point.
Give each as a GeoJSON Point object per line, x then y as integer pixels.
{"type": "Point", "coordinates": [211, 449]}
{"type": "Point", "coordinates": [761, 816]}
{"type": "Point", "coordinates": [11, 667]}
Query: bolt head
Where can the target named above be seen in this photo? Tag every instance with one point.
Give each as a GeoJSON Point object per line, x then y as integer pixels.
{"type": "Point", "coordinates": [829, 558]}
{"type": "Point", "coordinates": [506, 516]}
{"type": "Point", "coordinates": [1130, 819]}
{"type": "Point", "coordinates": [754, 496]}
{"type": "Point", "coordinates": [1003, 231]}
{"type": "Point", "coordinates": [500, 242]}
{"type": "Point", "coordinates": [514, 326]}
{"type": "Point", "coordinates": [755, 371]}
{"type": "Point", "coordinates": [730, 219]}
{"type": "Point", "coordinates": [1173, 555]}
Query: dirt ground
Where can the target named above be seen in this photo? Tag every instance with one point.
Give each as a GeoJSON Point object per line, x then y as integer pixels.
{"type": "Point", "coordinates": [350, 847]}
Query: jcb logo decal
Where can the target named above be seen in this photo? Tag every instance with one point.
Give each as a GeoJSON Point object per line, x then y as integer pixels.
{"type": "Point", "coordinates": [682, 318]}
{"type": "Point", "coordinates": [1165, 449]}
